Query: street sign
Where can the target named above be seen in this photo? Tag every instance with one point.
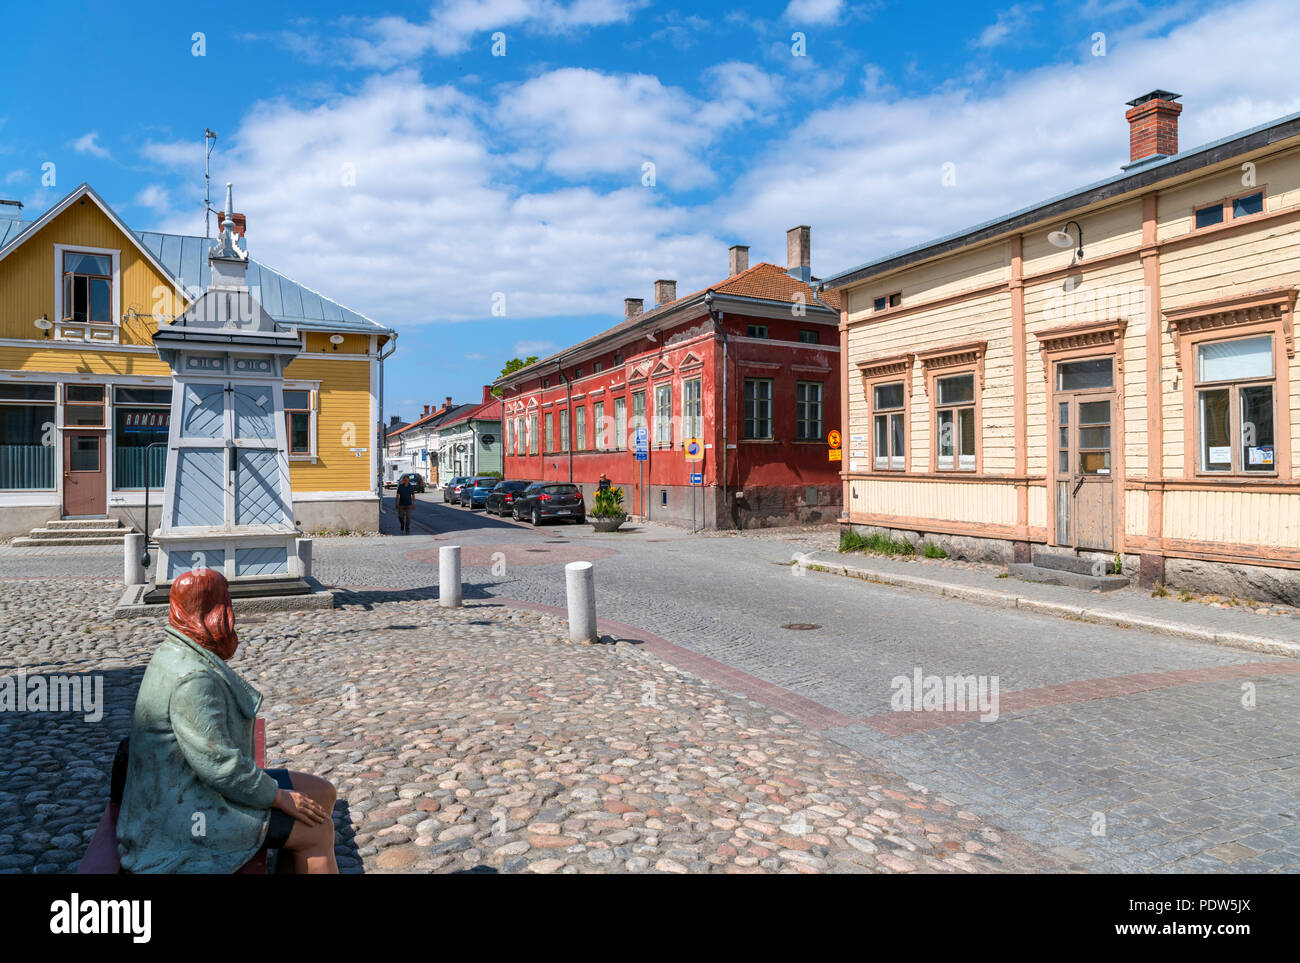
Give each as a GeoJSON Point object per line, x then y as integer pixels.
{"type": "Point", "coordinates": [642, 443]}
{"type": "Point", "coordinates": [833, 439]}
{"type": "Point", "coordinates": [697, 478]}
{"type": "Point", "coordinates": [836, 454]}
{"type": "Point", "coordinates": [694, 449]}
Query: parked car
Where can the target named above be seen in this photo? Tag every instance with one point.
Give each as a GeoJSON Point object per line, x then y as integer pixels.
{"type": "Point", "coordinates": [542, 500]}
{"type": "Point", "coordinates": [501, 499]}
{"type": "Point", "coordinates": [413, 478]}
{"type": "Point", "coordinates": [475, 492]}
{"type": "Point", "coordinates": [451, 490]}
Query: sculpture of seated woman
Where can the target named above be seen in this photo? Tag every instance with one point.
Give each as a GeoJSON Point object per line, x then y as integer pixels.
{"type": "Point", "coordinates": [194, 800]}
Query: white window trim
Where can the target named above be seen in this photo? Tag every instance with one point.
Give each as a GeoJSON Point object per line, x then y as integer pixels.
{"type": "Point", "coordinates": [115, 327]}
{"type": "Point", "coordinates": [313, 421]}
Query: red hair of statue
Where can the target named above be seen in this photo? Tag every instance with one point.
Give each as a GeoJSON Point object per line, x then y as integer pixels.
{"type": "Point", "coordinates": [201, 609]}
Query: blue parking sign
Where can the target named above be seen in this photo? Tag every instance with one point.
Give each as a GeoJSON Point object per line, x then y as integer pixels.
{"type": "Point", "coordinates": [697, 478]}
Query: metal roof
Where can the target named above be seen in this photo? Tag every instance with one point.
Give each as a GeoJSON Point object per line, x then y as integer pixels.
{"type": "Point", "coordinates": [286, 300]}
{"type": "Point", "coordinates": [1135, 176]}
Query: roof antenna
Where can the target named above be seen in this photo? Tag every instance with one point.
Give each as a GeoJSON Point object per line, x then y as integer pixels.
{"type": "Point", "coordinates": [209, 141]}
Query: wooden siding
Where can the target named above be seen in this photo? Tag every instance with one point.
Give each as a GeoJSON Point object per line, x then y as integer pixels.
{"type": "Point", "coordinates": [971, 502]}
{"type": "Point", "coordinates": [343, 422]}
{"type": "Point", "coordinates": [1244, 518]}
{"type": "Point", "coordinates": [27, 275]}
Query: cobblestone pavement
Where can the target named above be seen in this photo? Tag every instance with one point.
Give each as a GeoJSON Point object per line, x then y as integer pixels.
{"type": "Point", "coordinates": [481, 737]}
{"type": "Point", "coordinates": [1117, 749]}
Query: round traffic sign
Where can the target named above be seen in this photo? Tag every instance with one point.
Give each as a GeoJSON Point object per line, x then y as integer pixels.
{"type": "Point", "coordinates": [833, 439]}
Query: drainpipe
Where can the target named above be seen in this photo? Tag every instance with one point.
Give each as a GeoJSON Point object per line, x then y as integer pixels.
{"type": "Point", "coordinates": [568, 413]}
{"type": "Point", "coordinates": [722, 333]}
{"type": "Point", "coordinates": [379, 477]}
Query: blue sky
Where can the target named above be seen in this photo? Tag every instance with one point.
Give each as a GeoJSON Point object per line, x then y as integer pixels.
{"type": "Point", "coordinates": [388, 159]}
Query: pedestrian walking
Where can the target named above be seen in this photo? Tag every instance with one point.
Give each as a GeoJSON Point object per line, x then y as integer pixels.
{"type": "Point", "coordinates": [405, 501]}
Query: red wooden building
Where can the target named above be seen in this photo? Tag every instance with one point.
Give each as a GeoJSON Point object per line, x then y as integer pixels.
{"type": "Point", "coordinates": [749, 366]}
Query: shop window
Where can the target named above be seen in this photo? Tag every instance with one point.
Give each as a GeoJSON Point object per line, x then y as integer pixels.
{"type": "Point", "coordinates": [27, 436]}
{"type": "Point", "coordinates": [141, 418]}
{"type": "Point", "coordinates": [1234, 406]}
{"type": "Point", "coordinates": [83, 406]}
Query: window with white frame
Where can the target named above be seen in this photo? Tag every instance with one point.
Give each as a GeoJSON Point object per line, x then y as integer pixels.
{"type": "Point", "coordinates": [1234, 406]}
{"type": "Point", "coordinates": [580, 428]}
{"type": "Point", "coordinates": [87, 287]}
{"type": "Point", "coordinates": [297, 421]}
{"type": "Point", "coordinates": [564, 430]}
{"type": "Point", "coordinates": [27, 436]}
{"type": "Point", "coordinates": [955, 422]}
{"type": "Point", "coordinates": [808, 410]}
{"type": "Point", "coordinates": [663, 415]}
{"type": "Point", "coordinates": [550, 431]}
{"type": "Point", "coordinates": [888, 427]}
{"type": "Point", "coordinates": [620, 424]}
{"type": "Point", "coordinates": [692, 409]}
{"type": "Point", "coordinates": [532, 433]}
{"type": "Point", "coordinates": [601, 441]}
{"type": "Point", "coordinates": [758, 408]}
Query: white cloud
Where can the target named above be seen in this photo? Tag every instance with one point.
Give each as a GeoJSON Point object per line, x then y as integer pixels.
{"type": "Point", "coordinates": [14, 176]}
{"type": "Point", "coordinates": [1008, 23]}
{"type": "Point", "coordinates": [525, 349]}
{"type": "Point", "coordinates": [89, 144]}
{"type": "Point", "coordinates": [814, 11]}
{"type": "Point", "coordinates": [154, 196]}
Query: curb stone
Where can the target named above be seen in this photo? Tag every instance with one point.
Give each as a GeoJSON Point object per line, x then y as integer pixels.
{"type": "Point", "coordinates": [1124, 620]}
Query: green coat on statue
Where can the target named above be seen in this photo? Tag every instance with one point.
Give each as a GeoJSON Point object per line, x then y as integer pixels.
{"type": "Point", "coordinates": [195, 801]}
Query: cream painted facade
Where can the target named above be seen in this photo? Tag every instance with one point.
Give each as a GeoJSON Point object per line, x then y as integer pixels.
{"type": "Point", "coordinates": [1175, 338]}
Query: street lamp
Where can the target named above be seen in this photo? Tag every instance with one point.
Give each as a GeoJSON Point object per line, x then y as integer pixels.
{"type": "Point", "coordinates": [1063, 240]}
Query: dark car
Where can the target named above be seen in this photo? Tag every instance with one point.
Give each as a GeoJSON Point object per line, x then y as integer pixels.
{"type": "Point", "coordinates": [475, 492]}
{"type": "Point", "coordinates": [501, 499]}
{"type": "Point", "coordinates": [413, 478]}
{"type": "Point", "coordinates": [542, 500]}
{"type": "Point", "coordinates": [451, 490]}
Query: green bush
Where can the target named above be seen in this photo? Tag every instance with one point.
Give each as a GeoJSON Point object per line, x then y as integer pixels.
{"type": "Point", "coordinates": [491, 474]}
{"type": "Point", "coordinates": [608, 503]}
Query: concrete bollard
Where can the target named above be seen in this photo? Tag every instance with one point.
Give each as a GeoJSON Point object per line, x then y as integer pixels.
{"type": "Point", "coordinates": [133, 567]}
{"type": "Point", "coordinates": [580, 582]}
{"type": "Point", "coordinates": [303, 547]}
{"type": "Point", "coordinates": [449, 589]}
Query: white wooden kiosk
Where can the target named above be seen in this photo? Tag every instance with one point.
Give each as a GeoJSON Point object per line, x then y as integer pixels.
{"type": "Point", "coordinates": [227, 503]}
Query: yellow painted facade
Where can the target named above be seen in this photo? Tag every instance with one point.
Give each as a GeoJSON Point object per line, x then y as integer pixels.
{"type": "Point", "coordinates": [340, 376]}
{"type": "Point", "coordinates": [1144, 258]}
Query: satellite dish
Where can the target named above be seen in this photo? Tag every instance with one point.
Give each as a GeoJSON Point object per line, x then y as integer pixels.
{"type": "Point", "coordinates": [1060, 239]}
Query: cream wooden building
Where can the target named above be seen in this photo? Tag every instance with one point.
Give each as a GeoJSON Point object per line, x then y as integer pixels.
{"type": "Point", "coordinates": [1109, 373]}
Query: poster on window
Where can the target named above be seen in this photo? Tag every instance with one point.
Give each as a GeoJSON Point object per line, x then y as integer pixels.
{"type": "Point", "coordinates": [1220, 454]}
{"type": "Point", "coordinates": [1260, 456]}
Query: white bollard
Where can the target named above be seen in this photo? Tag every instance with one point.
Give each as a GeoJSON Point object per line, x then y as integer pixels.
{"type": "Point", "coordinates": [133, 560]}
{"type": "Point", "coordinates": [580, 582]}
{"type": "Point", "coordinates": [303, 547]}
{"type": "Point", "coordinates": [449, 589]}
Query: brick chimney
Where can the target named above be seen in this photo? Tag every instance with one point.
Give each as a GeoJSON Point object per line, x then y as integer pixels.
{"type": "Point", "coordinates": [426, 412]}
{"type": "Point", "coordinates": [1153, 126]}
{"type": "Point", "coordinates": [665, 291]}
{"type": "Point", "coordinates": [738, 259]}
{"type": "Point", "coordinates": [633, 306]}
{"type": "Point", "coordinates": [798, 252]}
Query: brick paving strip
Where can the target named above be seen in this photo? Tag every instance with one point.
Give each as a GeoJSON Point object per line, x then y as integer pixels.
{"type": "Point", "coordinates": [1085, 690]}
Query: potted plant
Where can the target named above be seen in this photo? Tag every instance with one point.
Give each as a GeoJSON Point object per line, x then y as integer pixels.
{"type": "Point", "coordinates": [607, 513]}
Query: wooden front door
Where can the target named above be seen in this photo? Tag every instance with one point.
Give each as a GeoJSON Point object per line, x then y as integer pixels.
{"type": "Point", "coordinates": [1084, 461]}
{"type": "Point", "coordinates": [84, 479]}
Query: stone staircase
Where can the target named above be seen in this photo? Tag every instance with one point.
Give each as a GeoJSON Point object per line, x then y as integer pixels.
{"type": "Point", "coordinates": [75, 531]}
{"type": "Point", "coordinates": [1075, 571]}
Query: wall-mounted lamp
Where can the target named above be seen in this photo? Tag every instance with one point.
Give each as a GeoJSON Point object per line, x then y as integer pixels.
{"type": "Point", "coordinates": [1063, 240]}
{"type": "Point", "coordinates": [336, 340]}
{"type": "Point", "coordinates": [43, 324]}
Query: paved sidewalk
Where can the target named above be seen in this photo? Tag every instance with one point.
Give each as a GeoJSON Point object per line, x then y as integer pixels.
{"type": "Point", "coordinates": [481, 737]}
{"type": "Point", "coordinates": [1126, 608]}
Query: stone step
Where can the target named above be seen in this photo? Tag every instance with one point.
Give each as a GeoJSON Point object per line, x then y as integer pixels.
{"type": "Point", "coordinates": [27, 541]}
{"type": "Point", "coordinates": [1079, 564]}
{"type": "Point", "coordinates": [101, 532]}
{"type": "Point", "coordinates": [1028, 572]}
{"type": "Point", "coordinates": [72, 524]}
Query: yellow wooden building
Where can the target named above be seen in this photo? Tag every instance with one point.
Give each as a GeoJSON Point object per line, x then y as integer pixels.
{"type": "Point", "coordinates": [83, 394]}
{"type": "Point", "coordinates": [1109, 373]}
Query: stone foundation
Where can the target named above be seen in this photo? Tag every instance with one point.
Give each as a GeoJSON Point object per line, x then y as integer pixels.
{"type": "Point", "coordinates": [340, 515]}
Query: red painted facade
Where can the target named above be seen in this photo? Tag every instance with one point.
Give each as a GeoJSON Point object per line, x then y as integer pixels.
{"type": "Point", "coordinates": [746, 481]}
